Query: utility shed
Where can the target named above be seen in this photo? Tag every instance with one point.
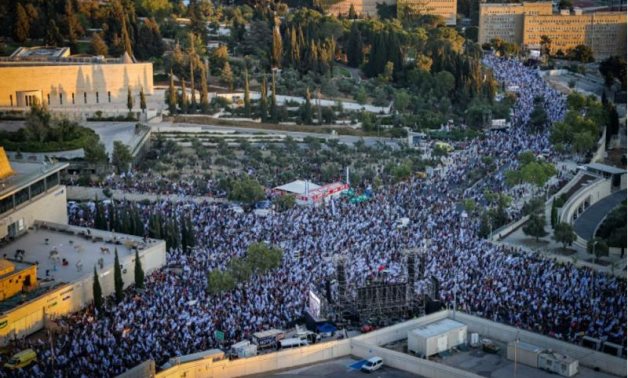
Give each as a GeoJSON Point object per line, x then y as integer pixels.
{"type": "Point", "coordinates": [558, 363]}
{"type": "Point", "coordinates": [524, 353]}
{"type": "Point", "coordinates": [436, 337]}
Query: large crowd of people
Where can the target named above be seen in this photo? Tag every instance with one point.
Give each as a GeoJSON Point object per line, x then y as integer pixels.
{"type": "Point", "coordinates": [175, 315]}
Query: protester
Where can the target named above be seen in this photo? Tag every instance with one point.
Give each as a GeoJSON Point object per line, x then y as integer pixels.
{"type": "Point", "coordinates": [175, 315]}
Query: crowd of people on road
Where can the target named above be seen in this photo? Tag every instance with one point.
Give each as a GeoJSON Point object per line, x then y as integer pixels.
{"type": "Point", "coordinates": [174, 315]}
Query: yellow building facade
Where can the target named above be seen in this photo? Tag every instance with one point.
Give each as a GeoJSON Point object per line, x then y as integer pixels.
{"type": "Point", "coordinates": [524, 24]}
{"type": "Point", "coordinates": [16, 277]}
{"type": "Point", "coordinates": [505, 21]}
{"type": "Point", "coordinates": [603, 32]}
{"type": "Point", "coordinates": [68, 81]}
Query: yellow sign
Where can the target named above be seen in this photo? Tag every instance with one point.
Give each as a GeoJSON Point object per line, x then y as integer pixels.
{"type": "Point", "coordinates": [5, 166]}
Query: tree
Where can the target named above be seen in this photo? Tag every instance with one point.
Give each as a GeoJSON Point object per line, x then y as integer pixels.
{"type": "Point", "coordinates": [97, 291]}
{"type": "Point", "coordinates": [306, 109]}
{"type": "Point", "coordinates": [538, 118]}
{"type": "Point", "coordinates": [204, 90]}
{"type": "Point", "coordinates": [535, 226]}
{"type": "Point", "coordinates": [73, 26]}
{"type": "Point", "coordinates": [98, 46]}
{"type": "Point", "coordinates": [126, 38]}
{"type": "Point", "coordinates": [355, 47]}
{"type": "Point", "coordinates": [246, 190]}
{"type": "Point", "coordinates": [95, 153]}
{"type": "Point", "coordinates": [581, 53]}
{"type": "Point", "coordinates": [554, 213]}
{"type": "Point", "coordinates": [218, 282]}
{"type": "Point", "coordinates": [277, 48]}
{"type": "Point", "coordinates": [22, 24]}
{"type": "Point", "coordinates": [262, 258]}
{"type": "Point", "coordinates": [485, 226]}
{"type": "Point", "coordinates": [546, 45]}
{"type": "Point", "coordinates": [171, 94]}
{"type": "Point", "coordinates": [285, 202]}
{"type": "Point", "coordinates": [597, 247]}
{"type": "Point", "coordinates": [564, 234]}
{"type": "Point", "coordinates": [129, 99]}
{"type": "Point", "coordinates": [227, 76]}
{"type": "Point", "coordinates": [142, 101]}
{"type": "Point", "coordinates": [274, 114]}
{"type": "Point", "coordinates": [183, 99]}
{"type": "Point", "coordinates": [117, 278]}
{"type": "Point", "coordinates": [247, 95]}
{"type": "Point", "coordinates": [531, 170]}
{"type": "Point", "coordinates": [139, 272]}
{"type": "Point", "coordinates": [263, 102]}
{"type": "Point", "coordinates": [121, 156]}
{"type": "Point", "coordinates": [53, 34]}
{"type": "Point", "coordinates": [352, 15]}
{"type": "Point", "coordinates": [614, 67]}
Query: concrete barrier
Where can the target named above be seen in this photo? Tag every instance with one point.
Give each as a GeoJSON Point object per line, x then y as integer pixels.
{"type": "Point", "coordinates": [594, 192]}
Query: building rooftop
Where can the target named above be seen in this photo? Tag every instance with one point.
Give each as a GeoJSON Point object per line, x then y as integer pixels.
{"type": "Point", "coordinates": [47, 55]}
{"type": "Point", "coordinates": [605, 168]}
{"type": "Point", "coordinates": [9, 267]}
{"type": "Point", "coordinates": [26, 173]}
{"type": "Point", "coordinates": [298, 187]}
{"type": "Point", "coordinates": [48, 244]}
{"type": "Point", "coordinates": [437, 328]}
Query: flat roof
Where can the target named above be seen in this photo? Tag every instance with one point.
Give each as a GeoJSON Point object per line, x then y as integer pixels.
{"type": "Point", "coordinates": [26, 174]}
{"type": "Point", "coordinates": [297, 187]}
{"type": "Point", "coordinates": [37, 52]}
{"type": "Point", "coordinates": [526, 346]}
{"type": "Point", "coordinates": [73, 244]}
{"type": "Point", "coordinates": [605, 168]}
{"type": "Point", "coordinates": [18, 266]}
{"type": "Point", "coordinates": [437, 328]}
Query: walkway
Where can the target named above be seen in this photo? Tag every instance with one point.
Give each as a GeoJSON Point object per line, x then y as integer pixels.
{"type": "Point", "coordinates": [85, 193]}
{"type": "Point", "coordinates": [587, 222]}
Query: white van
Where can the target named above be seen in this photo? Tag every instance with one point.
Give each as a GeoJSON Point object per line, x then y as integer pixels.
{"type": "Point", "coordinates": [293, 342]}
{"type": "Point", "coordinates": [372, 364]}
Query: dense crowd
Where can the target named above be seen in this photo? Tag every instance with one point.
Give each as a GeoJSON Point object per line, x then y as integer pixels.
{"type": "Point", "coordinates": [175, 315]}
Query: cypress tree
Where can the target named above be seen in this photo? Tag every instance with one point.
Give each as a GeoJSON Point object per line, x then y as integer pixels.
{"type": "Point", "coordinates": [183, 100]}
{"type": "Point", "coordinates": [274, 114]}
{"type": "Point", "coordinates": [129, 99]}
{"type": "Point", "coordinates": [247, 96]}
{"type": "Point", "coordinates": [192, 87]}
{"type": "Point", "coordinates": [142, 100]}
{"type": "Point", "coordinates": [355, 47]}
{"type": "Point", "coordinates": [204, 92]}
{"type": "Point", "coordinates": [306, 110]}
{"type": "Point", "coordinates": [139, 272]}
{"type": "Point", "coordinates": [97, 291]}
{"type": "Point", "coordinates": [277, 48]}
{"type": "Point", "coordinates": [22, 24]}
{"type": "Point", "coordinates": [172, 96]}
{"type": "Point", "coordinates": [126, 38]}
{"type": "Point", "coordinates": [263, 102]}
{"type": "Point", "coordinates": [117, 278]}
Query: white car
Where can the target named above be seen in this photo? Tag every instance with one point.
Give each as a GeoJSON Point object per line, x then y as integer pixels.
{"type": "Point", "coordinates": [372, 364]}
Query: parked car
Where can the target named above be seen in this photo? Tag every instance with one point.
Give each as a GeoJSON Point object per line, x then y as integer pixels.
{"type": "Point", "coordinates": [372, 364]}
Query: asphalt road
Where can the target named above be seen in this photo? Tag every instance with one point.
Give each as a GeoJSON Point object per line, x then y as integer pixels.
{"type": "Point", "coordinates": [587, 223]}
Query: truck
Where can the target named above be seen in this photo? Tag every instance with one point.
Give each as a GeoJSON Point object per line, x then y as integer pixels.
{"type": "Point", "coordinates": [243, 349]}
{"type": "Point", "coordinates": [268, 339]}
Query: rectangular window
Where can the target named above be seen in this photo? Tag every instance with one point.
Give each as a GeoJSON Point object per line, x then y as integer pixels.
{"type": "Point", "coordinates": [85, 97]}
{"type": "Point", "coordinates": [97, 99]}
{"type": "Point", "coordinates": [72, 98]}
{"type": "Point", "coordinates": [109, 95]}
{"type": "Point", "coordinates": [60, 98]}
{"type": "Point", "coordinates": [48, 95]}
{"type": "Point", "coordinates": [11, 98]}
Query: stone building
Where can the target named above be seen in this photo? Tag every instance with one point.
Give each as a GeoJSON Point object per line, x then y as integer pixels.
{"type": "Point", "coordinates": [51, 76]}
{"type": "Point", "coordinates": [443, 8]}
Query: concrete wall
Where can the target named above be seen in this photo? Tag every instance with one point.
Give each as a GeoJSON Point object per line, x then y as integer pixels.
{"type": "Point", "coordinates": [77, 79]}
{"type": "Point", "coordinates": [260, 364]}
{"type": "Point", "coordinates": [49, 206]}
{"type": "Point", "coordinates": [586, 357]}
{"type": "Point", "coordinates": [399, 331]}
{"type": "Point", "coordinates": [593, 193]}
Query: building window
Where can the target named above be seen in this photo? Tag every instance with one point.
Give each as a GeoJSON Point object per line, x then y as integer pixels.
{"type": "Point", "coordinates": [60, 98]}
{"type": "Point", "coordinates": [72, 98]}
{"type": "Point", "coordinates": [97, 99]}
{"type": "Point", "coordinates": [109, 95]}
{"type": "Point", "coordinates": [85, 97]}
{"type": "Point", "coordinates": [11, 99]}
{"type": "Point", "coordinates": [48, 95]}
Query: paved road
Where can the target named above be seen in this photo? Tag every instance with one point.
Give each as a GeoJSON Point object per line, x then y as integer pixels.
{"type": "Point", "coordinates": [347, 139]}
{"type": "Point", "coordinates": [587, 223]}
{"type": "Point", "coordinates": [84, 193]}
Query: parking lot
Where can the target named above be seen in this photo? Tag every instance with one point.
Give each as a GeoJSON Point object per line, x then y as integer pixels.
{"type": "Point", "coordinates": [339, 368]}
